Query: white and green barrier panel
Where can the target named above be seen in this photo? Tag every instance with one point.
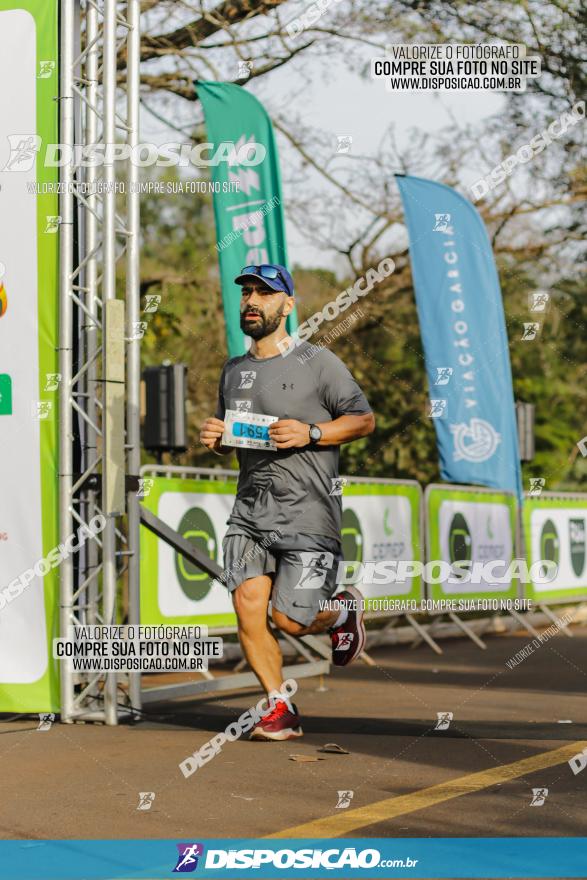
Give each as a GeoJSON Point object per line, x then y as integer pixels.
{"type": "Point", "coordinates": [381, 521]}
{"type": "Point", "coordinates": [29, 74]}
{"type": "Point", "coordinates": [554, 529]}
{"type": "Point", "coordinates": [474, 525]}
{"type": "Point", "coordinates": [174, 590]}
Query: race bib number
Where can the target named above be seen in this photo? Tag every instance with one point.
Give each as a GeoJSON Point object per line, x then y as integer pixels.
{"type": "Point", "coordinates": [247, 430]}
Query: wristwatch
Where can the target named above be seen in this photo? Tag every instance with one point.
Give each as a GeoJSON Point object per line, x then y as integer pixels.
{"type": "Point", "coordinates": [315, 434]}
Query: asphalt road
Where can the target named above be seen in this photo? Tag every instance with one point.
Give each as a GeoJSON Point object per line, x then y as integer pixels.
{"type": "Point", "coordinates": [475, 778]}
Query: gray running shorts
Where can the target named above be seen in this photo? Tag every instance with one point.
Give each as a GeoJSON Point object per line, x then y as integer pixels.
{"type": "Point", "coordinates": [304, 568]}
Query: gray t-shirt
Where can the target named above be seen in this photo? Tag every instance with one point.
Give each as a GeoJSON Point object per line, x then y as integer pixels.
{"type": "Point", "coordinates": [290, 489]}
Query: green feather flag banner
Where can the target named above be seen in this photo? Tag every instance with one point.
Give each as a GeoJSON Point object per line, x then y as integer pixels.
{"type": "Point", "coordinates": [248, 203]}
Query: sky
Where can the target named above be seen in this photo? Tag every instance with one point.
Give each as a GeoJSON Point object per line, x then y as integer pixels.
{"type": "Point", "coordinates": [342, 103]}
{"type": "Point", "coordinates": [347, 104]}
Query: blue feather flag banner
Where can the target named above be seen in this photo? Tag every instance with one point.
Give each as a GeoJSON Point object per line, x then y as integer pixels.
{"type": "Point", "coordinates": [464, 336]}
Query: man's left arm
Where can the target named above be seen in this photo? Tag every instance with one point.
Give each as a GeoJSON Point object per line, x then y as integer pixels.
{"type": "Point", "coordinates": [342, 397]}
{"type": "Point", "coordinates": [290, 434]}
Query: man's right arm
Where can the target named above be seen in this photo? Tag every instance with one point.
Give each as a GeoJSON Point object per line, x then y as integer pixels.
{"type": "Point", "coordinates": [211, 434]}
{"type": "Point", "coordinates": [213, 428]}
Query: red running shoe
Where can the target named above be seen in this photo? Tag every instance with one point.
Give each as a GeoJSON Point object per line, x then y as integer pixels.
{"type": "Point", "coordinates": [348, 639]}
{"type": "Point", "coordinates": [281, 723]}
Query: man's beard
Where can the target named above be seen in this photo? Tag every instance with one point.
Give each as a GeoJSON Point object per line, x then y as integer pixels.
{"type": "Point", "coordinates": [263, 326]}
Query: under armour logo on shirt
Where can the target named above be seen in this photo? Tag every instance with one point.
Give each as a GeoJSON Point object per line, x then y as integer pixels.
{"type": "Point", "coordinates": [247, 378]}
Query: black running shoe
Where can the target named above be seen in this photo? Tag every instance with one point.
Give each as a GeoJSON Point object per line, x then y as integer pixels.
{"type": "Point", "coordinates": [348, 639]}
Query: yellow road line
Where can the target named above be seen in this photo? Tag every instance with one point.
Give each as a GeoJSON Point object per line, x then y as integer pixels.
{"type": "Point", "coordinates": [390, 808]}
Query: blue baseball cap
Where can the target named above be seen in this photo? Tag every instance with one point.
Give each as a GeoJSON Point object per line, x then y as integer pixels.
{"type": "Point", "coordinates": [272, 274]}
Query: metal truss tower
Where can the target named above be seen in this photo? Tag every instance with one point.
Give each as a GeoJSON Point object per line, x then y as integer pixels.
{"type": "Point", "coordinates": [99, 442]}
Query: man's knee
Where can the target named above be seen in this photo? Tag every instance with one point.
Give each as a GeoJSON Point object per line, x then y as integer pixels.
{"type": "Point", "coordinates": [286, 624]}
{"type": "Point", "coordinates": [249, 601]}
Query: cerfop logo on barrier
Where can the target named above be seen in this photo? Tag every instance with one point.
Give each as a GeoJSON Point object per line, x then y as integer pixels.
{"type": "Point", "coordinates": [315, 567]}
{"type": "Point", "coordinates": [460, 543]}
{"type": "Point", "coordinates": [188, 857]}
{"type": "Point", "coordinates": [577, 545]}
{"type": "Point", "coordinates": [476, 441]}
{"type": "Point", "coordinates": [550, 543]}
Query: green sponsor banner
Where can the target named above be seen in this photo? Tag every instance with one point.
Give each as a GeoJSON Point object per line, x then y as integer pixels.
{"type": "Point", "coordinates": [381, 523]}
{"type": "Point", "coordinates": [172, 589]}
{"type": "Point", "coordinates": [248, 206]}
{"type": "Point", "coordinates": [474, 526]}
{"type": "Point", "coordinates": [29, 237]}
{"type": "Point", "coordinates": [555, 529]}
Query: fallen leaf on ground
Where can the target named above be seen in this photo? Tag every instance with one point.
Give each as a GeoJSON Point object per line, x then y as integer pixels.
{"type": "Point", "coordinates": [304, 759]}
{"type": "Point", "coordinates": [334, 749]}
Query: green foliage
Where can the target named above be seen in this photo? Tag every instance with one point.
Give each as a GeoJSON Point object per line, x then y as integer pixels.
{"type": "Point", "coordinates": [382, 349]}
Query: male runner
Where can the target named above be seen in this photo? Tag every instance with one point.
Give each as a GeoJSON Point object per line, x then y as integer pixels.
{"type": "Point", "coordinates": [283, 542]}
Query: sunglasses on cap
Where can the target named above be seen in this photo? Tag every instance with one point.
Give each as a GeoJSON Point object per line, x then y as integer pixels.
{"type": "Point", "coordinates": [275, 276]}
{"type": "Point", "coordinates": [263, 270]}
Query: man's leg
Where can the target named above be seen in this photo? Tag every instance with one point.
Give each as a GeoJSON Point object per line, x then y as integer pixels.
{"type": "Point", "coordinates": [345, 626]}
{"type": "Point", "coordinates": [322, 622]}
{"type": "Point", "coordinates": [259, 644]}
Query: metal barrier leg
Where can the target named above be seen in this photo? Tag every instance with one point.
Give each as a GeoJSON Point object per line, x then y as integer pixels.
{"type": "Point", "coordinates": [469, 632]}
{"type": "Point", "coordinates": [424, 634]}
{"type": "Point", "coordinates": [527, 626]}
{"type": "Point", "coordinates": [564, 627]}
